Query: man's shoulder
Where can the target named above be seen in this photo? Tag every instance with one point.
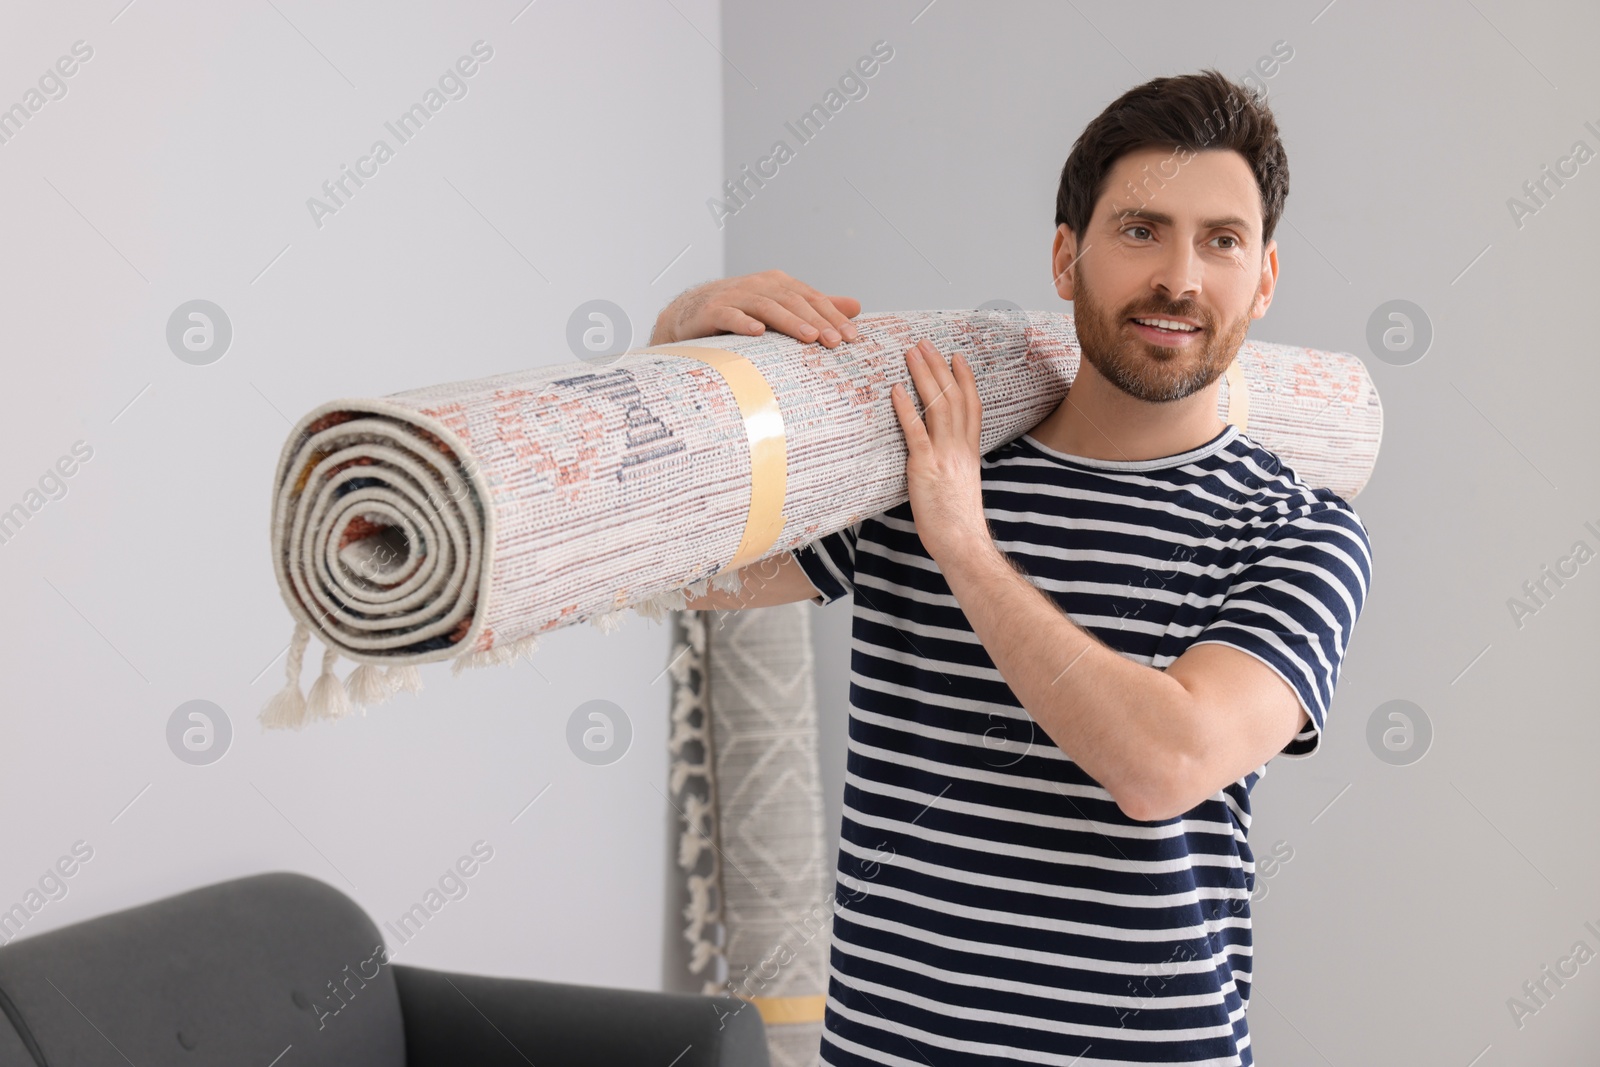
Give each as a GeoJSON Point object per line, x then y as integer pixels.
{"type": "Point", "coordinates": [1282, 518]}
{"type": "Point", "coordinates": [1280, 497]}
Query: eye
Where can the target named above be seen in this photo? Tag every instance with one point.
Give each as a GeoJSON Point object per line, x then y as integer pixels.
{"type": "Point", "coordinates": [1228, 237]}
{"type": "Point", "coordinates": [1128, 229]}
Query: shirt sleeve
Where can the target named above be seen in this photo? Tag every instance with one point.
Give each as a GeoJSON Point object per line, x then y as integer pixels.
{"type": "Point", "coordinates": [830, 563]}
{"type": "Point", "coordinates": [1295, 605]}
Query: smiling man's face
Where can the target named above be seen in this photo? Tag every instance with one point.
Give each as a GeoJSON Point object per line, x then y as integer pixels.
{"type": "Point", "coordinates": [1175, 241]}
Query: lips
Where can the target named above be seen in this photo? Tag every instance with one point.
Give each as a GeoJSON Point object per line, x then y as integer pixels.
{"type": "Point", "coordinates": [1163, 337]}
{"type": "Point", "coordinates": [1194, 327]}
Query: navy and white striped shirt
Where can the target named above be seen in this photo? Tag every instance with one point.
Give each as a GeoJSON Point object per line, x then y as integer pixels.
{"type": "Point", "coordinates": [992, 901]}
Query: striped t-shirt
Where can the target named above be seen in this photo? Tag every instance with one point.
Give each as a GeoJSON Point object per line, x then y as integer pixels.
{"type": "Point", "coordinates": [993, 904]}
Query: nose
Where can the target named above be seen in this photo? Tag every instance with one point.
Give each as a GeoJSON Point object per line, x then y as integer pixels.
{"type": "Point", "coordinates": [1178, 275]}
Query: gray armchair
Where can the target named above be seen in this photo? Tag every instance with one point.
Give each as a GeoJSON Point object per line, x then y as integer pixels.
{"type": "Point", "coordinates": [280, 969]}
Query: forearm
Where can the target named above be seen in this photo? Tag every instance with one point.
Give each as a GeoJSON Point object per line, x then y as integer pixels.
{"type": "Point", "coordinates": [1127, 725]}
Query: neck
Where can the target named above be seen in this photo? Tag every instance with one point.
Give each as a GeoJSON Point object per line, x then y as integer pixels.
{"type": "Point", "coordinates": [1096, 420]}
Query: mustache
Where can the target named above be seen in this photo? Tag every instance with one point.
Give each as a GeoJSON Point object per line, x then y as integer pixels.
{"type": "Point", "coordinates": [1179, 312]}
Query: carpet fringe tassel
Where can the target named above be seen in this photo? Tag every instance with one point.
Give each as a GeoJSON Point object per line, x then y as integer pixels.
{"type": "Point", "coordinates": [369, 685]}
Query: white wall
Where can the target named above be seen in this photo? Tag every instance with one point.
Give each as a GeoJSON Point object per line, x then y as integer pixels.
{"type": "Point", "coordinates": [178, 166]}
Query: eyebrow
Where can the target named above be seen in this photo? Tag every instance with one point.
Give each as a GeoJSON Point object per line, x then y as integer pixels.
{"type": "Point", "coordinates": [1163, 219]}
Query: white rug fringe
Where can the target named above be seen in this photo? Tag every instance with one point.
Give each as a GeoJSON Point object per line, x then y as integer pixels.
{"type": "Point", "coordinates": [287, 708]}
{"type": "Point", "coordinates": [369, 685]}
{"type": "Point", "coordinates": [404, 678]}
{"type": "Point", "coordinates": [496, 656]}
{"type": "Point", "coordinates": [657, 608]}
{"type": "Point", "coordinates": [328, 700]}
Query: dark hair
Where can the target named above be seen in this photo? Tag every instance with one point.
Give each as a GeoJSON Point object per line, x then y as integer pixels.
{"type": "Point", "coordinates": [1191, 112]}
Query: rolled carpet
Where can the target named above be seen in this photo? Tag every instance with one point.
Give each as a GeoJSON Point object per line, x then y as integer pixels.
{"type": "Point", "coordinates": [461, 521]}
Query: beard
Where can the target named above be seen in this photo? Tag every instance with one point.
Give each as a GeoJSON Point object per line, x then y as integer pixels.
{"type": "Point", "coordinates": [1147, 371]}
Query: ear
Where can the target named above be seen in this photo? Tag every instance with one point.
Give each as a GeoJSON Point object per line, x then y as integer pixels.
{"type": "Point", "coordinates": [1269, 281]}
{"type": "Point", "coordinates": [1063, 254]}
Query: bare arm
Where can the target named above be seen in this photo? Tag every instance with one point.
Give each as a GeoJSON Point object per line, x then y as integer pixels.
{"type": "Point", "coordinates": [1160, 741]}
{"type": "Point", "coordinates": [775, 580]}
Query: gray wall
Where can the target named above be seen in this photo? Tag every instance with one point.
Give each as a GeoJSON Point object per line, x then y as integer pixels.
{"type": "Point", "coordinates": [1419, 897]}
{"type": "Point", "coordinates": [178, 166]}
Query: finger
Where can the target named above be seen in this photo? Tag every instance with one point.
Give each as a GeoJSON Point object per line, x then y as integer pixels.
{"type": "Point", "coordinates": [935, 409]}
{"type": "Point", "coordinates": [974, 405]}
{"type": "Point", "coordinates": [916, 433]}
{"type": "Point", "coordinates": [797, 305]}
{"type": "Point", "coordinates": [938, 366]}
{"type": "Point", "coordinates": [797, 297]}
{"type": "Point", "coordinates": [945, 398]}
{"type": "Point", "coordinates": [794, 304]}
{"type": "Point", "coordinates": [955, 398]}
{"type": "Point", "coordinates": [847, 304]}
{"type": "Point", "coordinates": [777, 316]}
{"type": "Point", "coordinates": [838, 325]}
{"type": "Point", "coordinates": [731, 320]}
{"type": "Point", "coordinates": [851, 308]}
{"type": "Point", "coordinates": [825, 307]}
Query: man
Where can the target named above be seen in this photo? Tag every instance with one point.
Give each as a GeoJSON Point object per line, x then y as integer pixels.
{"type": "Point", "coordinates": [1074, 655]}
